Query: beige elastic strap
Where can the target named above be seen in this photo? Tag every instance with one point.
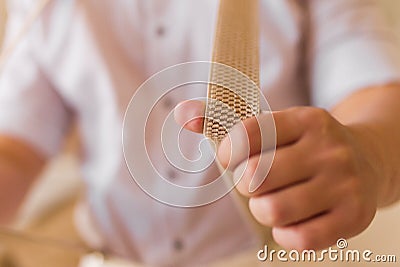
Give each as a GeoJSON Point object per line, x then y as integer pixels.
{"type": "Point", "coordinates": [236, 45]}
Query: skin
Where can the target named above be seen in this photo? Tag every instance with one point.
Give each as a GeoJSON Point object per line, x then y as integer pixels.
{"type": "Point", "coordinates": [331, 170]}
{"type": "Point", "coordinates": [309, 201]}
{"type": "Point", "coordinates": [20, 164]}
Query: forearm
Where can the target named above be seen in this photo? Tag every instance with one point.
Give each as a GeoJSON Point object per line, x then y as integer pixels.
{"type": "Point", "coordinates": [19, 165]}
{"type": "Point", "coordinates": [373, 116]}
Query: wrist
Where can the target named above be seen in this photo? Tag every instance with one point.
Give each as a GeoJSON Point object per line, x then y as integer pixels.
{"type": "Point", "coordinates": [374, 154]}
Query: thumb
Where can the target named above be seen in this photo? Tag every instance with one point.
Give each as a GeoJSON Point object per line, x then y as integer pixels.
{"type": "Point", "coordinates": [190, 115]}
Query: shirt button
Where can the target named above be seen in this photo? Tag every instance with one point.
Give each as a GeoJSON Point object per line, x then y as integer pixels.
{"type": "Point", "coordinates": [172, 175]}
{"type": "Point", "coordinates": [168, 103]}
{"type": "Point", "coordinates": [160, 31]}
{"type": "Point", "coordinates": [178, 245]}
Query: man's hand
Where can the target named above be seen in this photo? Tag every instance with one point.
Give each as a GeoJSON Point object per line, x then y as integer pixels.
{"type": "Point", "coordinates": [326, 180]}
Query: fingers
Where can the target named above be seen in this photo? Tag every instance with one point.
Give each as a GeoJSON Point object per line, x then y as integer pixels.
{"type": "Point", "coordinates": [246, 139]}
{"type": "Point", "coordinates": [317, 233]}
{"type": "Point", "coordinates": [269, 171]}
{"type": "Point", "coordinates": [249, 137]}
{"type": "Point", "coordinates": [291, 205]}
{"type": "Point", "coordinates": [258, 134]}
{"type": "Point", "coordinates": [289, 126]}
{"type": "Point", "coordinates": [190, 115]}
{"type": "Point", "coordinates": [250, 175]}
{"type": "Point", "coordinates": [316, 190]}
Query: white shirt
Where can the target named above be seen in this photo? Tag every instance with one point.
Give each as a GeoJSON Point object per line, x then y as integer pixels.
{"type": "Point", "coordinates": [85, 59]}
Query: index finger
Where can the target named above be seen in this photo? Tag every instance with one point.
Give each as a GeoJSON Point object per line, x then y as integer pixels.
{"type": "Point", "coordinates": [266, 131]}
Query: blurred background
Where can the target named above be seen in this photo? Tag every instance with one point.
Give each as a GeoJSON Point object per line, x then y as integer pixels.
{"type": "Point", "coordinates": [44, 233]}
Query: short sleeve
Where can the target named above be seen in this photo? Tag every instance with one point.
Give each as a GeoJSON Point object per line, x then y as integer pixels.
{"type": "Point", "coordinates": [30, 108]}
{"type": "Point", "coordinates": [351, 47]}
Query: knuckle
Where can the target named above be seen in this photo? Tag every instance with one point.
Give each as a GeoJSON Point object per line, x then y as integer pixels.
{"type": "Point", "coordinates": [315, 116]}
{"type": "Point", "coordinates": [336, 156]}
{"type": "Point", "coordinates": [359, 210]}
{"type": "Point", "coordinates": [354, 185]}
{"type": "Point", "coordinates": [357, 204]}
{"type": "Point", "coordinates": [341, 155]}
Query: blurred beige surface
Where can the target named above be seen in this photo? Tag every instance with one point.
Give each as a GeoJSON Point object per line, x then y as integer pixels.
{"type": "Point", "coordinates": [49, 242]}
{"type": "Point", "coordinates": [48, 213]}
